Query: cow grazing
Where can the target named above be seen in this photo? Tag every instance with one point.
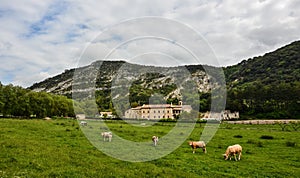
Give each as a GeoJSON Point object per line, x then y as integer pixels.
{"type": "Point", "coordinates": [83, 123]}
{"type": "Point", "coordinates": [107, 136]}
{"type": "Point", "coordinates": [232, 151]}
{"type": "Point", "coordinates": [154, 140]}
{"type": "Point", "coordinates": [199, 144]}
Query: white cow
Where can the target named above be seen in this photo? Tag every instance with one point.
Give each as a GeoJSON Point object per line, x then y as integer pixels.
{"type": "Point", "coordinates": [154, 140]}
{"type": "Point", "coordinates": [83, 123]}
{"type": "Point", "coordinates": [107, 136]}
{"type": "Point", "coordinates": [232, 151]}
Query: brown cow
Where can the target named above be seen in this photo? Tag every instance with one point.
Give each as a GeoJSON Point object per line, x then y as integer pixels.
{"type": "Point", "coordinates": [198, 144]}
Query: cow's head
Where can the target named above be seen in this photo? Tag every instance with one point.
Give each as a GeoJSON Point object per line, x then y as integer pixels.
{"type": "Point", "coordinates": [190, 143]}
{"type": "Point", "coordinates": [225, 156]}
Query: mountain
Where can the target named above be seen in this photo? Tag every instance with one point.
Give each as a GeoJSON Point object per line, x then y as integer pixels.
{"type": "Point", "coordinates": [281, 65]}
{"type": "Point", "coordinates": [119, 79]}
{"type": "Point", "coordinates": [150, 77]}
{"type": "Point", "coordinates": [264, 86]}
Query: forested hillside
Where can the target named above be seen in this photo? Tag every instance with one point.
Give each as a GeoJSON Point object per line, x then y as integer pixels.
{"type": "Point", "coordinates": [280, 66]}
{"type": "Point", "coordinates": [267, 86]}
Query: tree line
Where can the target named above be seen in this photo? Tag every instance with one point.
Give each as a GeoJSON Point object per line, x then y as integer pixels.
{"type": "Point", "coordinates": [16, 101]}
{"type": "Point", "coordinates": [266, 101]}
{"type": "Point", "coordinates": [255, 100]}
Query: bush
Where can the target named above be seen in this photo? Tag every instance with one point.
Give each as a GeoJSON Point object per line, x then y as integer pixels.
{"type": "Point", "coordinates": [267, 137]}
{"type": "Point", "coordinates": [290, 144]}
{"type": "Point", "coordinates": [238, 136]}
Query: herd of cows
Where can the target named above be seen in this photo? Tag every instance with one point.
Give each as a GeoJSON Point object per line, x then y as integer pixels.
{"type": "Point", "coordinates": [231, 151]}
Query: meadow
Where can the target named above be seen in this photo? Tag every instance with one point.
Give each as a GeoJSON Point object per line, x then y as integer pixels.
{"type": "Point", "coordinates": [59, 148]}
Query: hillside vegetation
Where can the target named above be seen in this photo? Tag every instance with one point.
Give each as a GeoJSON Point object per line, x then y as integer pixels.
{"type": "Point", "coordinates": [267, 86]}
{"type": "Point", "coordinates": [274, 68]}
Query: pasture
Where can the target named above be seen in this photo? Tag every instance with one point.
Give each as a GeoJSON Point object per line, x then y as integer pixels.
{"type": "Point", "coordinates": [58, 148]}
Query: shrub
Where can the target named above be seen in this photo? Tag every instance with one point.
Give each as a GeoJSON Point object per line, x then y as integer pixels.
{"type": "Point", "coordinates": [290, 144]}
{"type": "Point", "coordinates": [267, 137]}
{"type": "Point", "coordinates": [238, 136]}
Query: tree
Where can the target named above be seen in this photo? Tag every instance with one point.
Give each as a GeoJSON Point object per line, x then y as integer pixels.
{"type": "Point", "coordinates": [1, 99]}
{"type": "Point", "coordinates": [10, 100]}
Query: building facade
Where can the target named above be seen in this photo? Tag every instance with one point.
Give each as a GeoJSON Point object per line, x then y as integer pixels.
{"type": "Point", "coordinates": [153, 111]}
{"type": "Point", "coordinates": [225, 115]}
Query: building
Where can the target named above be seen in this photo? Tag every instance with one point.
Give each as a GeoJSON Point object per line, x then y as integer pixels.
{"type": "Point", "coordinates": [106, 115]}
{"type": "Point", "coordinates": [225, 115]}
{"type": "Point", "coordinates": [80, 116]}
{"type": "Point", "coordinates": [157, 111]}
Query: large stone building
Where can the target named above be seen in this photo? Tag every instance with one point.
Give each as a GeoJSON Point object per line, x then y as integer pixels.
{"type": "Point", "coordinates": [157, 111]}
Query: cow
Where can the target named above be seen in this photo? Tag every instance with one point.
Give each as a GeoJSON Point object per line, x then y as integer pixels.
{"type": "Point", "coordinates": [154, 140]}
{"type": "Point", "coordinates": [232, 151]}
{"type": "Point", "coordinates": [198, 144]}
{"type": "Point", "coordinates": [83, 123]}
{"type": "Point", "coordinates": [107, 136]}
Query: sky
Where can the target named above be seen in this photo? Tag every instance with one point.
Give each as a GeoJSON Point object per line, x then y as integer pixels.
{"type": "Point", "coordinates": [40, 39]}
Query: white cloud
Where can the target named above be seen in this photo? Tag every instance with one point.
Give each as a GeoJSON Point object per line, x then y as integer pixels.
{"type": "Point", "coordinates": [43, 38]}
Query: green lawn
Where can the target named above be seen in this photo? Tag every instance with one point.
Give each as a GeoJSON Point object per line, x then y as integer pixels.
{"type": "Point", "coordinates": [58, 148]}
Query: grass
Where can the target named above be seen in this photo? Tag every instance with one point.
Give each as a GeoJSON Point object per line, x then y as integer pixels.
{"type": "Point", "coordinates": [58, 148]}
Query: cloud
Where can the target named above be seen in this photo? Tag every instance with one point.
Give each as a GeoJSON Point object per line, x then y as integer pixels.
{"type": "Point", "coordinates": [40, 35]}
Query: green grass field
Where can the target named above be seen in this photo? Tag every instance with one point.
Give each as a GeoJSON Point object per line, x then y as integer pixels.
{"type": "Point", "coordinates": [58, 148]}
